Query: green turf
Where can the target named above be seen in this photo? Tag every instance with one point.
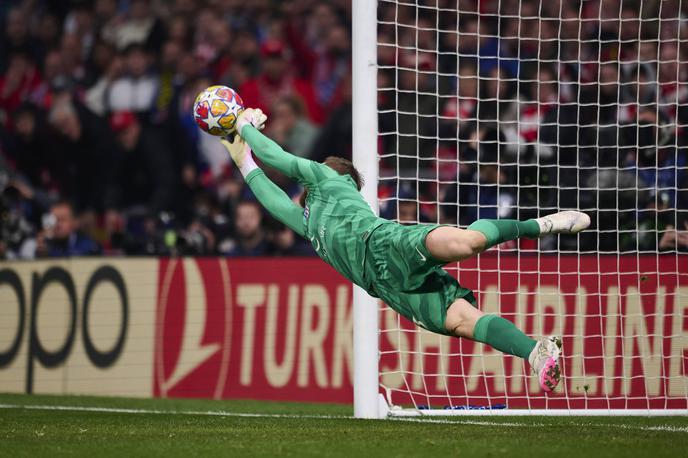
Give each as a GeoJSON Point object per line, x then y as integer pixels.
{"type": "Point", "coordinates": [29, 432]}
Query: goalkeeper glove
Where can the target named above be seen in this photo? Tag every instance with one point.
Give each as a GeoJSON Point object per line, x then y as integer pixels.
{"type": "Point", "coordinates": [240, 152]}
{"type": "Point", "coordinates": [252, 116]}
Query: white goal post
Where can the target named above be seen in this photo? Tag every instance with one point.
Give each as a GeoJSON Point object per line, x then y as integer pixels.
{"type": "Point", "coordinates": [514, 109]}
{"type": "Point", "coordinates": [364, 111]}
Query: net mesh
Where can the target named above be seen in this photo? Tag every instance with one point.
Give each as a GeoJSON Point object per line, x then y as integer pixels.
{"type": "Point", "coordinates": [517, 109]}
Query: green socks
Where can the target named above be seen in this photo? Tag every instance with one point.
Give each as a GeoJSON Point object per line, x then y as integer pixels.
{"type": "Point", "coordinates": [501, 230]}
{"type": "Point", "coordinates": [502, 335]}
{"type": "Point", "coordinates": [493, 330]}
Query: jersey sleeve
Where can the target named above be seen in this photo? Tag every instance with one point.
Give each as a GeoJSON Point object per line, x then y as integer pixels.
{"type": "Point", "coordinates": [307, 172]}
{"type": "Point", "coordinates": [276, 201]}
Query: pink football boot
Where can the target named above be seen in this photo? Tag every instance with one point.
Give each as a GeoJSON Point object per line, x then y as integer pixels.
{"type": "Point", "coordinates": [544, 361]}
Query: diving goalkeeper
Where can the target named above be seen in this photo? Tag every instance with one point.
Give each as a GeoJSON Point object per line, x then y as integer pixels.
{"type": "Point", "coordinates": [402, 265]}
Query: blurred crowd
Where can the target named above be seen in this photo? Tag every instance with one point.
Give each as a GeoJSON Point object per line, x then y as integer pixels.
{"type": "Point", "coordinates": [99, 152]}
{"type": "Point", "coordinates": [502, 109]}
{"type": "Point", "coordinates": [518, 108]}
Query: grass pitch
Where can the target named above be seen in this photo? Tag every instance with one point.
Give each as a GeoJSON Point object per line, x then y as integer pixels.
{"type": "Point", "coordinates": [89, 426]}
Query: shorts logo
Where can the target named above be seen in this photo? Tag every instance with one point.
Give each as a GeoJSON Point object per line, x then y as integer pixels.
{"type": "Point", "coordinates": [418, 322]}
{"type": "Point", "coordinates": [422, 256]}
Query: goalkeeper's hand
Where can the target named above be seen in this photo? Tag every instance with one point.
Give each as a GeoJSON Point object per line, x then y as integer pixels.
{"type": "Point", "coordinates": [251, 116]}
{"type": "Point", "coordinates": [240, 152]}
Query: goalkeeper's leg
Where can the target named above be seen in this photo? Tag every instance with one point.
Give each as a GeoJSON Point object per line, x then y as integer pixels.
{"type": "Point", "coordinates": [464, 320]}
{"type": "Point", "coordinates": [453, 244]}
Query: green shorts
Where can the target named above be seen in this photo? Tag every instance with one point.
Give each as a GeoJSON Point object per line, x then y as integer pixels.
{"type": "Point", "coordinates": [408, 279]}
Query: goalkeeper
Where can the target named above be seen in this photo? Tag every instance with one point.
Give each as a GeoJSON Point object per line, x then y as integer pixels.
{"type": "Point", "coordinates": [402, 265]}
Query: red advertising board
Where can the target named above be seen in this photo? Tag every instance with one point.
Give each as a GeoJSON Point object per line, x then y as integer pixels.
{"type": "Point", "coordinates": [280, 329]}
{"type": "Point", "coordinates": [263, 329]}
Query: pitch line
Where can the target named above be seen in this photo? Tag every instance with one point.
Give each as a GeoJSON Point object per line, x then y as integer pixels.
{"type": "Point", "coordinates": [223, 413]}
{"type": "Point", "coordinates": [674, 429]}
{"type": "Point", "coordinates": [210, 413]}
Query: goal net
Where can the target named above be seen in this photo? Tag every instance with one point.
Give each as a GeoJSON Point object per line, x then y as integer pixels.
{"type": "Point", "coordinates": [517, 109]}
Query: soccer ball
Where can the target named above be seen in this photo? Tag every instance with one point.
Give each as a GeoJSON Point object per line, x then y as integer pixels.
{"type": "Point", "coordinates": [216, 110]}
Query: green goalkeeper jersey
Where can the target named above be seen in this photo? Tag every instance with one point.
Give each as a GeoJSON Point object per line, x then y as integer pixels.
{"type": "Point", "coordinates": [336, 219]}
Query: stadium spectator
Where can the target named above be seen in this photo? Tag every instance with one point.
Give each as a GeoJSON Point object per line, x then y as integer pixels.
{"type": "Point", "coordinates": [222, 56]}
{"type": "Point", "coordinates": [287, 243]}
{"type": "Point", "coordinates": [498, 108]}
{"type": "Point", "coordinates": [408, 211]}
{"type": "Point", "coordinates": [458, 111]}
{"type": "Point", "coordinates": [47, 33]}
{"type": "Point", "coordinates": [639, 91]}
{"type": "Point", "coordinates": [179, 30]}
{"type": "Point", "coordinates": [135, 90]}
{"type": "Point", "coordinates": [141, 172]}
{"type": "Point", "coordinates": [29, 146]}
{"type": "Point", "coordinates": [335, 136]}
{"type": "Point", "coordinates": [251, 239]}
{"type": "Point", "coordinates": [247, 58]}
{"type": "Point", "coordinates": [482, 190]}
{"type": "Point", "coordinates": [80, 23]}
{"type": "Point", "coordinates": [53, 80]}
{"type": "Point", "coordinates": [415, 123]}
{"type": "Point", "coordinates": [675, 238]}
{"type": "Point", "coordinates": [497, 97]}
{"type": "Point", "coordinates": [321, 20]}
{"type": "Point", "coordinates": [195, 240]}
{"type": "Point", "coordinates": [669, 74]}
{"type": "Point", "coordinates": [537, 111]}
{"type": "Point", "coordinates": [662, 168]}
{"type": "Point", "coordinates": [81, 145]}
{"type": "Point", "coordinates": [108, 66]}
{"type": "Point", "coordinates": [139, 27]}
{"type": "Point", "coordinates": [15, 36]}
{"type": "Point", "coordinates": [73, 61]}
{"type": "Point", "coordinates": [61, 236]}
{"type": "Point", "coordinates": [20, 210]}
{"type": "Point", "coordinates": [207, 24]}
{"type": "Point", "coordinates": [17, 84]}
{"type": "Point", "coordinates": [277, 80]}
{"type": "Point", "coordinates": [107, 19]}
{"type": "Point", "coordinates": [290, 128]}
{"type": "Point", "coordinates": [477, 38]}
{"type": "Point", "coordinates": [326, 63]}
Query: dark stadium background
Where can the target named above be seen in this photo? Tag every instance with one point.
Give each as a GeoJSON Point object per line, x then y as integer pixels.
{"type": "Point", "coordinates": [99, 153]}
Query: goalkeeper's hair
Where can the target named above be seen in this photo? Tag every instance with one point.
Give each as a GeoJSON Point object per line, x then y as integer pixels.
{"type": "Point", "coordinates": [341, 166]}
{"type": "Point", "coordinates": [344, 167]}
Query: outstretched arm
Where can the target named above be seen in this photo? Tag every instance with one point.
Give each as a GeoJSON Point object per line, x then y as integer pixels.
{"type": "Point", "coordinates": [274, 199]}
{"type": "Point", "coordinates": [302, 170]}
